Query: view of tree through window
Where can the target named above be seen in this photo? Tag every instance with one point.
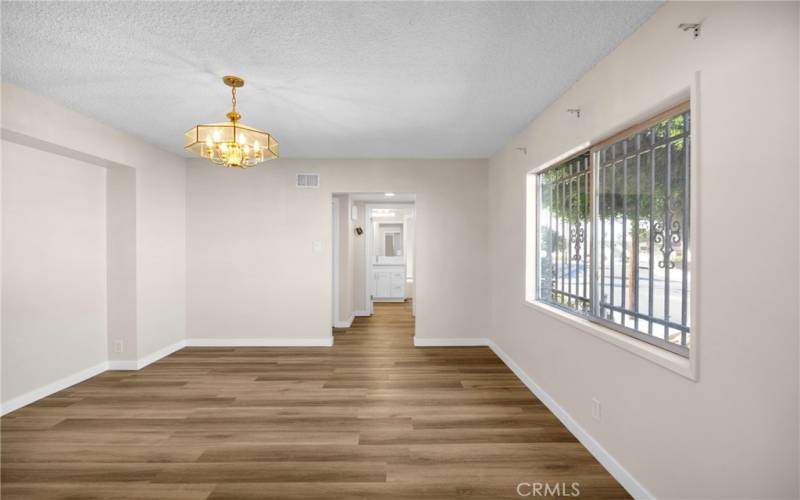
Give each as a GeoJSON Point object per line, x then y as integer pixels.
{"type": "Point", "coordinates": [627, 265]}
{"type": "Point", "coordinates": [564, 229]}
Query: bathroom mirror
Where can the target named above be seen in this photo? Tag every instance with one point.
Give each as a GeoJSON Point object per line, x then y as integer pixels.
{"type": "Point", "coordinates": [392, 244]}
{"type": "Point", "coordinates": [389, 240]}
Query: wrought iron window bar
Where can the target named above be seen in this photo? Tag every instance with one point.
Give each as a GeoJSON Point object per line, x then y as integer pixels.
{"type": "Point", "coordinates": [638, 184]}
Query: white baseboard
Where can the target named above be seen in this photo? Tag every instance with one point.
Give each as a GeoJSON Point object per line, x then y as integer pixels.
{"type": "Point", "coordinates": [621, 474]}
{"type": "Point", "coordinates": [456, 342]}
{"type": "Point", "coordinates": [614, 468]}
{"type": "Point", "coordinates": [140, 363]}
{"type": "Point", "coordinates": [75, 378]}
{"type": "Point", "coordinates": [609, 462]}
{"type": "Point", "coordinates": [361, 313]}
{"type": "Point", "coordinates": [52, 388]}
{"type": "Point", "coordinates": [261, 342]}
{"type": "Point", "coordinates": [123, 364]}
{"type": "Point", "coordinates": [344, 324]}
{"type": "Point", "coordinates": [161, 353]}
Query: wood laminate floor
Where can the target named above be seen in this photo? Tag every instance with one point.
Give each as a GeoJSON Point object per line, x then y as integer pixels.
{"type": "Point", "coordinates": [372, 417]}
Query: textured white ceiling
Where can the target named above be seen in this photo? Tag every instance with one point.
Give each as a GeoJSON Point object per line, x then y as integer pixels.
{"type": "Point", "coordinates": [329, 80]}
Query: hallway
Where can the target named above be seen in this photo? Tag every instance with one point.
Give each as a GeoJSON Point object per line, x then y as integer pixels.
{"type": "Point", "coordinates": [371, 417]}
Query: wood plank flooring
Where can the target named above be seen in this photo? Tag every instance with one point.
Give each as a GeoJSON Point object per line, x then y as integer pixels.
{"type": "Point", "coordinates": [371, 417]}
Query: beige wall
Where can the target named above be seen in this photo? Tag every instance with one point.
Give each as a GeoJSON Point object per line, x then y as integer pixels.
{"type": "Point", "coordinates": [121, 262]}
{"type": "Point", "coordinates": [54, 268]}
{"type": "Point", "coordinates": [145, 277]}
{"type": "Point", "coordinates": [345, 291]}
{"type": "Point", "coordinates": [161, 252]}
{"type": "Point", "coordinates": [252, 272]}
{"type": "Point", "coordinates": [733, 433]}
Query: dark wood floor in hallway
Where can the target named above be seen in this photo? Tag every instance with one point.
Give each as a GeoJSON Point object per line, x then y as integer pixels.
{"type": "Point", "coordinates": [372, 417]}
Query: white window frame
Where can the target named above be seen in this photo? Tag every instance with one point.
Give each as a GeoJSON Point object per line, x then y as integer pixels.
{"type": "Point", "coordinates": [686, 367]}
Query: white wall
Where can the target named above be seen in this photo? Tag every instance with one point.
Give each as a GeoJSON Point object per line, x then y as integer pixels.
{"type": "Point", "coordinates": [161, 251]}
{"type": "Point", "coordinates": [145, 279]}
{"type": "Point", "coordinates": [345, 264]}
{"type": "Point", "coordinates": [359, 260]}
{"type": "Point", "coordinates": [54, 268]}
{"type": "Point", "coordinates": [121, 262]}
{"type": "Point", "coordinates": [734, 432]}
{"type": "Point", "coordinates": [252, 272]}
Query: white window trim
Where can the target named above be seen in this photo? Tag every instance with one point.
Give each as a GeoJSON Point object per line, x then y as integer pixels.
{"type": "Point", "coordinates": [686, 367]}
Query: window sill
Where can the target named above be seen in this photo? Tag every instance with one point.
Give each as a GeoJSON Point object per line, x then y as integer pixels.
{"type": "Point", "coordinates": [685, 367]}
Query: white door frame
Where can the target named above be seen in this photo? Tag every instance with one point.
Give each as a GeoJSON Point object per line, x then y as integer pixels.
{"type": "Point", "coordinates": [370, 244]}
{"type": "Point", "coordinates": [413, 266]}
{"type": "Point", "coordinates": [336, 237]}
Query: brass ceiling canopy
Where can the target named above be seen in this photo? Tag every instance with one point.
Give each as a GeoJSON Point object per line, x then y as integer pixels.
{"type": "Point", "coordinates": [232, 144]}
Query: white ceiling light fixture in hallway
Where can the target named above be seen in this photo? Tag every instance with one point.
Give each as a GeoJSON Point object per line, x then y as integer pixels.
{"type": "Point", "coordinates": [383, 212]}
{"type": "Point", "coordinates": [335, 79]}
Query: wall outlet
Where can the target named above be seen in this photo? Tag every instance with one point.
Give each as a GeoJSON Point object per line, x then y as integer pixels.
{"type": "Point", "coordinates": [118, 346]}
{"type": "Point", "coordinates": [596, 414]}
{"type": "Point", "coordinates": [316, 246]}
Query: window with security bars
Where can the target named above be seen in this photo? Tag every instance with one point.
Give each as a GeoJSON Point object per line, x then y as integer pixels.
{"type": "Point", "coordinates": [564, 228]}
{"type": "Point", "coordinates": [613, 233]}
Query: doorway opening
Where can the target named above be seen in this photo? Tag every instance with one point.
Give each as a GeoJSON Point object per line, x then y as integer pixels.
{"type": "Point", "coordinates": [374, 254]}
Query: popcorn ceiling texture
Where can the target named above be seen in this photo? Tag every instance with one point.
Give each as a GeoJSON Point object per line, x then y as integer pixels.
{"type": "Point", "coordinates": [329, 80]}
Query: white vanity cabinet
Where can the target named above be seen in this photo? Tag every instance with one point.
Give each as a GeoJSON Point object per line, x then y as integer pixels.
{"type": "Point", "coordinates": [389, 282]}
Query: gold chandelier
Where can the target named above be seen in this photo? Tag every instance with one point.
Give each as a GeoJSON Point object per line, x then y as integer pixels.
{"type": "Point", "coordinates": [232, 144]}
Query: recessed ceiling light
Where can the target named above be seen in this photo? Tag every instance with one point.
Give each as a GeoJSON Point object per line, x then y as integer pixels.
{"type": "Point", "coordinates": [388, 194]}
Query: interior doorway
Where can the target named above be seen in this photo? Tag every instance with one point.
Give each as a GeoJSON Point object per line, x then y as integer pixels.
{"type": "Point", "coordinates": [374, 253]}
{"type": "Point", "coordinates": [390, 241]}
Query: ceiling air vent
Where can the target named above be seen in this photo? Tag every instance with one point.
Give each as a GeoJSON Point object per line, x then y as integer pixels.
{"type": "Point", "coordinates": [308, 180]}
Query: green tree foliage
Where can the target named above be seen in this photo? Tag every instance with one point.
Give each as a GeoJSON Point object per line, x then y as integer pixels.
{"type": "Point", "coordinates": [566, 189]}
